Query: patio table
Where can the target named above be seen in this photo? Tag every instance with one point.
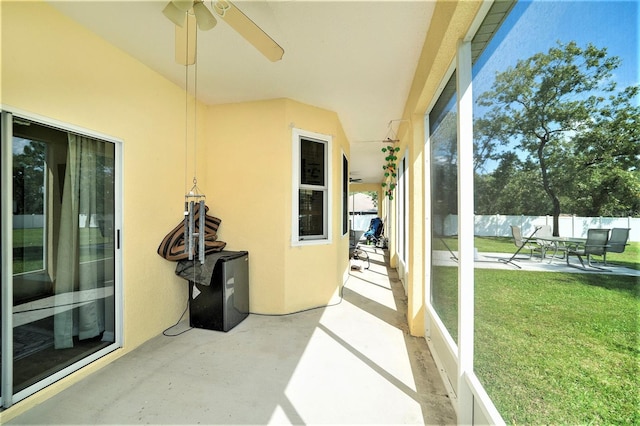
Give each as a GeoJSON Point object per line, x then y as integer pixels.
{"type": "Point", "coordinates": [565, 241]}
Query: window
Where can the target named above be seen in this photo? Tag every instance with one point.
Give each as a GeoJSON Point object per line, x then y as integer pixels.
{"type": "Point", "coordinates": [515, 119]}
{"type": "Point", "coordinates": [523, 95]}
{"type": "Point", "coordinates": [311, 198]}
{"type": "Point", "coordinates": [444, 207]}
{"type": "Point", "coordinates": [403, 210]}
{"type": "Point", "coordinates": [345, 195]}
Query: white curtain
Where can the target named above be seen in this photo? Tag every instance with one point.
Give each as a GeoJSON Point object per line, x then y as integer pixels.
{"type": "Point", "coordinates": [78, 275]}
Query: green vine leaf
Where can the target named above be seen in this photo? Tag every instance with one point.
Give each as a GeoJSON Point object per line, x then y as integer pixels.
{"type": "Point", "coordinates": [390, 170]}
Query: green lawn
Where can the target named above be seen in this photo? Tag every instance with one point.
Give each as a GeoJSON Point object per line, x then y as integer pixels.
{"type": "Point", "coordinates": [551, 347]}
{"type": "Point", "coordinates": [559, 348]}
{"type": "Point", "coordinates": [29, 251]}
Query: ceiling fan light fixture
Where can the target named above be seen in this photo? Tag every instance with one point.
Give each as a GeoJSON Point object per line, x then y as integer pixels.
{"type": "Point", "coordinates": [204, 17]}
{"type": "Point", "coordinates": [183, 5]}
{"type": "Point", "coordinates": [174, 14]}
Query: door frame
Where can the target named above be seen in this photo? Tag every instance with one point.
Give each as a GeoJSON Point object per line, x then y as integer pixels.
{"type": "Point", "coordinates": [7, 397]}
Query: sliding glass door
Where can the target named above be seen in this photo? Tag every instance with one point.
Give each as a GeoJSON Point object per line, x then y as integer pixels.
{"type": "Point", "coordinates": [64, 244]}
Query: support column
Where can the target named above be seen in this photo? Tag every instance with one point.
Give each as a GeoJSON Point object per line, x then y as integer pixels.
{"type": "Point", "coordinates": [415, 304]}
{"type": "Point", "coordinates": [465, 232]}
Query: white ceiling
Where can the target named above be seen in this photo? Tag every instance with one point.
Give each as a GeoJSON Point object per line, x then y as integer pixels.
{"type": "Point", "coordinates": [356, 58]}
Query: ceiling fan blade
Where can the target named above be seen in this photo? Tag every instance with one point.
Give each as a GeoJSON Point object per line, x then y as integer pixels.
{"type": "Point", "coordinates": [249, 30]}
{"type": "Point", "coordinates": [186, 41]}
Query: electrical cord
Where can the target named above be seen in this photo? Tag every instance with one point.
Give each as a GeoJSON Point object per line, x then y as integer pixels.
{"type": "Point", "coordinates": [264, 315]}
{"type": "Point", "coordinates": [165, 332]}
{"type": "Point", "coordinates": [308, 309]}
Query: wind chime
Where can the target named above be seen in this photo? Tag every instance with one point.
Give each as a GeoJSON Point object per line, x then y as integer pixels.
{"type": "Point", "coordinates": [194, 200]}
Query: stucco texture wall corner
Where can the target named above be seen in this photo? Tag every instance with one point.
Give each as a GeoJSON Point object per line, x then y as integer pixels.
{"type": "Point", "coordinates": [315, 273]}
{"type": "Point", "coordinates": [249, 186]}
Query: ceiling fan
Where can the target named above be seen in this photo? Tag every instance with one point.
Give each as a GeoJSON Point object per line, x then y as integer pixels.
{"type": "Point", "coordinates": [386, 140]}
{"type": "Point", "coordinates": [187, 13]}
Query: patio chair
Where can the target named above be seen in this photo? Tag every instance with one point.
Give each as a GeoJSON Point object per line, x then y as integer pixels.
{"type": "Point", "coordinates": [374, 233]}
{"type": "Point", "coordinates": [617, 242]}
{"type": "Point", "coordinates": [545, 245]}
{"type": "Point", "coordinates": [596, 245]}
{"type": "Point", "coordinates": [517, 240]}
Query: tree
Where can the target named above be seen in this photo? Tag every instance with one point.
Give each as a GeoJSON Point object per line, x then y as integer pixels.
{"type": "Point", "coordinates": [444, 167]}
{"type": "Point", "coordinates": [28, 179]}
{"type": "Point", "coordinates": [553, 108]}
{"type": "Point", "coordinates": [608, 156]}
{"type": "Point", "coordinates": [508, 190]}
{"type": "Point", "coordinates": [374, 197]}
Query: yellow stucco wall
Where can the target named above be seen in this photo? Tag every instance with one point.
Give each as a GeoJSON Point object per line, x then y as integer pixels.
{"type": "Point", "coordinates": [249, 182]}
{"type": "Point", "coordinates": [54, 68]}
{"type": "Point", "coordinates": [247, 162]}
{"type": "Point", "coordinates": [313, 271]}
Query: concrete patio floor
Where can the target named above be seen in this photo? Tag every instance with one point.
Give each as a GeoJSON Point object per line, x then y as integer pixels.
{"type": "Point", "coordinates": [353, 362]}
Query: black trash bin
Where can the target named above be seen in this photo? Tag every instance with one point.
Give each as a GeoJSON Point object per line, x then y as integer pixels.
{"type": "Point", "coordinates": [224, 303]}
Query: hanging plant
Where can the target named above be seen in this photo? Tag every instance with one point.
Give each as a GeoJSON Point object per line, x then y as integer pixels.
{"type": "Point", "coordinates": [390, 170]}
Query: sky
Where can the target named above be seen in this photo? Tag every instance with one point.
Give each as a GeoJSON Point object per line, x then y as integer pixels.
{"type": "Point", "coordinates": [19, 144]}
{"type": "Point", "coordinates": [535, 26]}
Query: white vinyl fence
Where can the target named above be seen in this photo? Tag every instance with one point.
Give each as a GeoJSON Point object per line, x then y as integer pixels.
{"type": "Point", "coordinates": [37, 221]}
{"type": "Point", "coordinates": [570, 226]}
{"type": "Point", "coordinates": [360, 222]}
{"type": "Point", "coordinates": [485, 225]}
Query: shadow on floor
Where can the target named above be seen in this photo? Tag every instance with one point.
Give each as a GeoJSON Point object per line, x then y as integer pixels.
{"type": "Point", "coordinates": [354, 362]}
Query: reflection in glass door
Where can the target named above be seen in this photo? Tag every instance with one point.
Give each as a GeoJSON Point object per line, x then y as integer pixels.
{"type": "Point", "coordinates": [63, 254]}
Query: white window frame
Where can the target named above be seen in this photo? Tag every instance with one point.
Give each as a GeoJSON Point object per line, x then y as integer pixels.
{"type": "Point", "coordinates": [297, 135]}
{"type": "Point", "coordinates": [455, 359]}
{"type": "Point", "coordinates": [401, 201]}
{"type": "Point", "coordinates": [403, 210]}
{"type": "Point", "coordinates": [345, 226]}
